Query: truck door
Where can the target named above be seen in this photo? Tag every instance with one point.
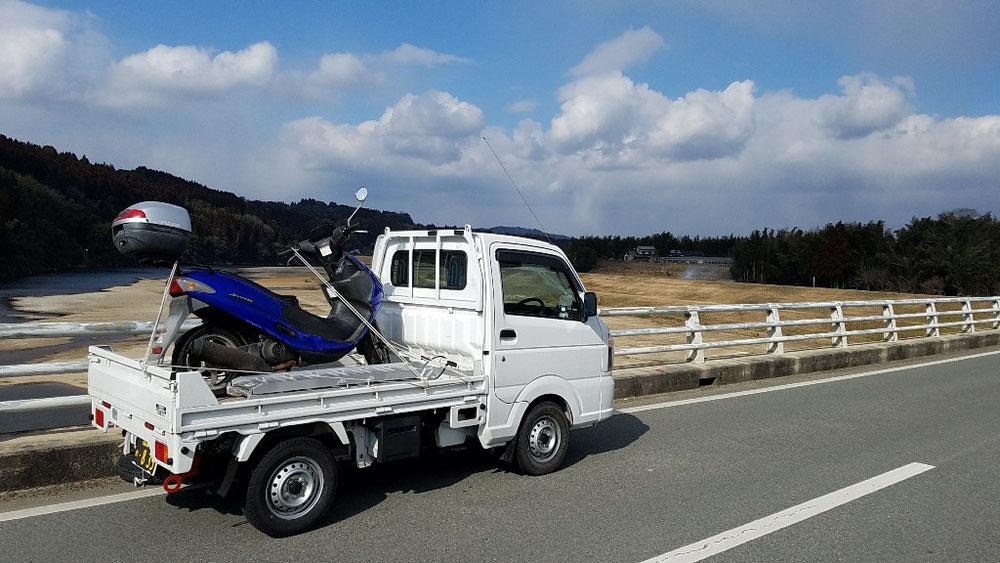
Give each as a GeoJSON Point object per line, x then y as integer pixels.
{"type": "Point", "coordinates": [539, 331]}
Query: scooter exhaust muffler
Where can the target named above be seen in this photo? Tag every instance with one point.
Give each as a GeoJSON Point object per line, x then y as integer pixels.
{"type": "Point", "coordinates": [226, 357]}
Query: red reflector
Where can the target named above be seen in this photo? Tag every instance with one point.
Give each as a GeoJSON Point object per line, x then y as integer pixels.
{"type": "Point", "coordinates": [157, 349]}
{"type": "Point", "coordinates": [106, 404]}
{"type": "Point", "coordinates": [99, 417]}
{"type": "Point", "coordinates": [132, 214]}
{"type": "Point", "coordinates": [161, 452]}
{"type": "Point", "coordinates": [175, 288]}
{"type": "Point", "coordinates": [148, 425]}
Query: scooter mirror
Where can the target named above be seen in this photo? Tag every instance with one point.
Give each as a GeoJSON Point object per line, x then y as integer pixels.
{"type": "Point", "coordinates": [362, 194]}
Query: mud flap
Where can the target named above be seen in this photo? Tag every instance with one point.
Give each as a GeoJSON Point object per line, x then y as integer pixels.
{"type": "Point", "coordinates": [229, 478]}
{"type": "Point", "coordinates": [508, 451]}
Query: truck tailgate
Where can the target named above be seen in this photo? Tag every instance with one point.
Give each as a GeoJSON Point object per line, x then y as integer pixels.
{"type": "Point", "coordinates": [121, 382]}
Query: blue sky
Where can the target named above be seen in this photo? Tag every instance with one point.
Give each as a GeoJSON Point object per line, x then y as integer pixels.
{"type": "Point", "coordinates": [702, 117]}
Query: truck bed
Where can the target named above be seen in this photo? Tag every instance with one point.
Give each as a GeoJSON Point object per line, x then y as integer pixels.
{"type": "Point", "coordinates": [182, 411]}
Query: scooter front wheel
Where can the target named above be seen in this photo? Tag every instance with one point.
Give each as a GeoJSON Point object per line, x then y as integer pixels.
{"type": "Point", "coordinates": [216, 378]}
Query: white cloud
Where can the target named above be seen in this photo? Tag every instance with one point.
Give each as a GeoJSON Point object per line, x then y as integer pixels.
{"type": "Point", "coordinates": [868, 105]}
{"type": "Point", "coordinates": [612, 117]}
{"type": "Point", "coordinates": [633, 46]}
{"type": "Point", "coordinates": [158, 75]}
{"type": "Point", "coordinates": [431, 127]}
{"type": "Point", "coordinates": [621, 157]}
{"type": "Point", "coordinates": [522, 106]}
{"type": "Point", "coordinates": [45, 54]}
{"type": "Point", "coordinates": [339, 72]}
{"type": "Point", "coordinates": [411, 54]}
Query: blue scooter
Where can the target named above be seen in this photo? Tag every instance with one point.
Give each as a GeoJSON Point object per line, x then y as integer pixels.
{"type": "Point", "coordinates": [247, 327]}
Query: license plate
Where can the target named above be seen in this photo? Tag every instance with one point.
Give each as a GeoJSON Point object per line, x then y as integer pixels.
{"type": "Point", "coordinates": [144, 457]}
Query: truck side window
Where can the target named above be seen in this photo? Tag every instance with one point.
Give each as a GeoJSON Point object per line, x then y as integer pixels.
{"type": "Point", "coordinates": [537, 285]}
{"type": "Point", "coordinates": [452, 273]}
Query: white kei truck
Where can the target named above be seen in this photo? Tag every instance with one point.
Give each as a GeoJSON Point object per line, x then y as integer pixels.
{"type": "Point", "coordinates": [497, 343]}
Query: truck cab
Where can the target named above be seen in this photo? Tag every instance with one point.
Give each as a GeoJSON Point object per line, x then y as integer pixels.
{"type": "Point", "coordinates": [512, 305]}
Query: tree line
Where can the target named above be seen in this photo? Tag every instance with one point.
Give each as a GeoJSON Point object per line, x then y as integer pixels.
{"type": "Point", "coordinates": [955, 253]}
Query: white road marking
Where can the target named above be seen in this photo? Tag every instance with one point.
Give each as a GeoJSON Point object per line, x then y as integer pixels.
{"type": "Point", "coordinates": [759, 528]}
{"type": "Point", "coordinates": [668, 404]}
{"type": "Point", "coordinates": [77, 504]}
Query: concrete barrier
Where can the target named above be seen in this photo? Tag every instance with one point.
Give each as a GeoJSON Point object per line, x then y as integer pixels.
{"type": "Point", "coordinates": [76, 455]}
{"type": "Point", "coordinates": [39, 460]}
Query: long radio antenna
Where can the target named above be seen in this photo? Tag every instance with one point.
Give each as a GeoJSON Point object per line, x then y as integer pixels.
{"type": "Point", "coordinates": [513, 183]}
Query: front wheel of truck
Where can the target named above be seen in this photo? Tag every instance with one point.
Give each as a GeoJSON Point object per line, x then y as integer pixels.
{"type": "Point", "coordinates": [291, 487]}
{"type": "Point", "coordinates": [543, 440]}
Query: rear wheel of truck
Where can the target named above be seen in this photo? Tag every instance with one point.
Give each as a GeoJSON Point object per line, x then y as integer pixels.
{"type": "Point", "coordinates": [543, 440]}
{"type": "Point", "coordinates": [291, 487]}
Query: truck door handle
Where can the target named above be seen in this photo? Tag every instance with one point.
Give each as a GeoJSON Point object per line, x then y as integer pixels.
{"type": "Point", "coordinates": [508, 334]}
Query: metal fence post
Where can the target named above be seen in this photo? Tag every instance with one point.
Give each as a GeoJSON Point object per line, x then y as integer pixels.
{"type": "Point", "coordinates": [969, 326]}
{"type": "Point", "coordinates": [774, 331]}
{"type": "Point", "coordinates": [694, 337]}
{"type": "Point", "coordinates": [996, 314]}
{"type": "Point", "coordinates": [891, 333]}
{"type": "Point", "coordinates": [932, 320]}
{"type": "Point", "coordinates": [837, 325]}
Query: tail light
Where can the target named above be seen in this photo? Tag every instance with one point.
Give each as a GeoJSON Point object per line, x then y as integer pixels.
{"type": "Point", "coordinates": [161, 452]}
{"type": "Point", "coordinates": [182, 285]}
{"type": "Point", "coordinates": [131, 214]}
{"type": "Point", "coordinates": [99, 417]}
{"type": "Point", "coordinates": [175, 288]}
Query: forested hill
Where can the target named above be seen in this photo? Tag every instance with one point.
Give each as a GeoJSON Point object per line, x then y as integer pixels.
{"type": "Point", "coordinates": [56, 211]}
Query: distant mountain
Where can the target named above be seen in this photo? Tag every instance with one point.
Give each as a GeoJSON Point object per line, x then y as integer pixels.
{"type": "Point", "coordinates": [530, 233]}
{"type": "Point", "coordinates": [56, 211]}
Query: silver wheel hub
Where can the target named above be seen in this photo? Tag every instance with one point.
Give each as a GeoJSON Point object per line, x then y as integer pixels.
{"type": "Point", "coordinates": [294, 488]}
{"type": "Point", "coordinates": [544, 439]}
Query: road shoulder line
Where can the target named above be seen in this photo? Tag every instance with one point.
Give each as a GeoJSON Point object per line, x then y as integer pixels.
{"type": "Point", "coordinates": [77, 504]}
{"type": "Point", "coordinates": [758, 528]}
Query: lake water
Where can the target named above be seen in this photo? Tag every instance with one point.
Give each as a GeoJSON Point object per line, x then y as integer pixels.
{"type": "Point", "coordinates": [66, 283]}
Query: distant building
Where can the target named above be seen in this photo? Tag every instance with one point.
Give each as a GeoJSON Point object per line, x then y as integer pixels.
{"type": "Point", "coordinates": [642, 254]}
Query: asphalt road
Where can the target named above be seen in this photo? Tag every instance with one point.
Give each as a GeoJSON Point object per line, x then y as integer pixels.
{"type": "Point", "coordinates": [636, 487]}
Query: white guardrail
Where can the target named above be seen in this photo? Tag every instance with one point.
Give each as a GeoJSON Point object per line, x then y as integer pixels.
{"type": "Point", "coordinates": [926, 317]}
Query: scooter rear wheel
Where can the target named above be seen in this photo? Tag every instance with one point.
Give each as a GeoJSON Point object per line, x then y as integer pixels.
{"type": "Point", "coordinates": [216, 379]}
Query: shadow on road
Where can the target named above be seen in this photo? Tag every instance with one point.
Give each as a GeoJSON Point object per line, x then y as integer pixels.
{"type": "Point", "coordinates": [361, 489]}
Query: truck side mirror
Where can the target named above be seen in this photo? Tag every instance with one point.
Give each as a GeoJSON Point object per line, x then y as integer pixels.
{"type": "Point", "coordinates": [589, 305]}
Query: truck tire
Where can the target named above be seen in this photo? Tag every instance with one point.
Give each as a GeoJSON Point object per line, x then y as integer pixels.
{"type": "Point", "coordinates": [291, 487]}
{"type": "Point", "coordinates": [542, 441]}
